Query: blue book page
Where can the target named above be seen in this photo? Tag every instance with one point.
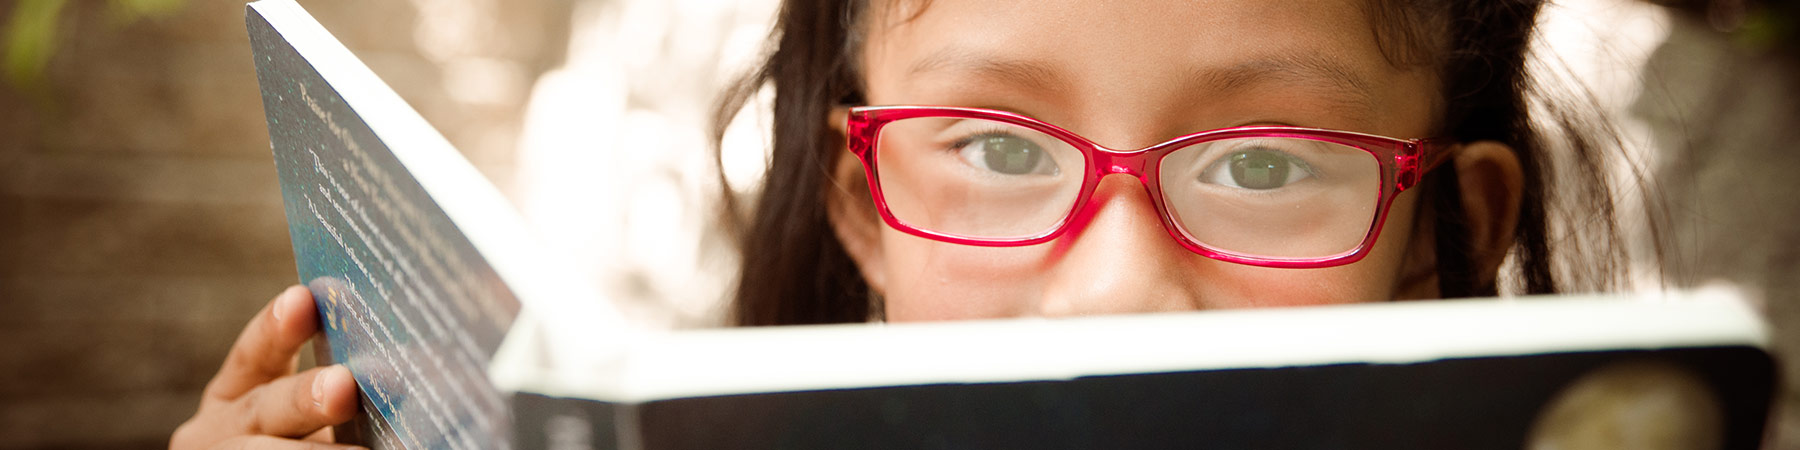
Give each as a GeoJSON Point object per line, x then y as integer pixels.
{"type": "Point", "coordinates": [408, 303]}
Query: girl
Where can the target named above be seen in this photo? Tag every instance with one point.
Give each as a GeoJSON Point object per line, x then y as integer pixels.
{"type": "Point", "coordinates": [996, 158]}
{"type": "Point", "coordinates": [1131, 77]}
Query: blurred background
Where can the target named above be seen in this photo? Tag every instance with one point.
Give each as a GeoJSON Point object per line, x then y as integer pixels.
{"type": "Point", "coordinates": [141, 225]}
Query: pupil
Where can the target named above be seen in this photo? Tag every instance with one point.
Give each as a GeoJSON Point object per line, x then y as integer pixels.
{"type": "Point", "coordinates": [1011, 156]}
{"type": "Point", "coordinates": [1259, 169]}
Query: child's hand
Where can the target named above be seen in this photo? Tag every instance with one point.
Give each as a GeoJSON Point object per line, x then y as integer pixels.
{"type": "Point", "coordinates": [257, 401]}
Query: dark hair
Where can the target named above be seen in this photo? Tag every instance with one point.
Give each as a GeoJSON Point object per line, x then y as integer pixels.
{"type": "Point", "coordinates": [795, 271]}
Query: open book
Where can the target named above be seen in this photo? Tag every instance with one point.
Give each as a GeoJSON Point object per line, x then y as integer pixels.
{"type": "Point", "coordinates": [460, 337]}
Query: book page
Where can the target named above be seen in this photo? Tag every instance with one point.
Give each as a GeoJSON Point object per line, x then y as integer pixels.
{"type": "Point", "coordinates": [406, 300]}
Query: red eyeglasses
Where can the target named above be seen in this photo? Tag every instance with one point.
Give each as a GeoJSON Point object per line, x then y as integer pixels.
{"type": "Point", "coordinates": [1267, 196]}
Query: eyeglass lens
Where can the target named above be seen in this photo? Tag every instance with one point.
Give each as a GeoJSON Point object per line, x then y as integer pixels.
{"type": "Point", "coordinates": [1271, 197]}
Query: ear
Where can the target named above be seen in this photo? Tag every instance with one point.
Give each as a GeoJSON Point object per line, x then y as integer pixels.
{"type": "Point", "coordinates": [851, 209]}
{"type": "Point", "coordinates": [1492, 183]}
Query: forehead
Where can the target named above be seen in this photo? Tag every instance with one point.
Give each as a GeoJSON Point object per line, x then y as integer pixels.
{"type": "Point", "coordinates": [1202, 49]}
{"type": "Point", "coordinates": [1151, 30]}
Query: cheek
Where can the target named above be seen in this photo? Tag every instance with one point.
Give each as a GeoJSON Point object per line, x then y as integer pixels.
{"type": "Point", "coordinates": [1220, 285]}
{"type": "Point", "coordinates": [930, 280]}
{"type": "Point", "coordinates": [1371, 279]}
{"type": "Point", "coordinates": [1376, 276]}
{"type": "Point", "coordinates": [1257, 287]}
{"type": "Point", "coordinates": [1229, 286]}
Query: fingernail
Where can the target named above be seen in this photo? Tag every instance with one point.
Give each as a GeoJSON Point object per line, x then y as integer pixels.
{"type": "Point", "coordinates": [281, 302]}
{"type": "Point", "coordinates": [288, 298]}
{"type": "Point", "coordinates": [318, 388]}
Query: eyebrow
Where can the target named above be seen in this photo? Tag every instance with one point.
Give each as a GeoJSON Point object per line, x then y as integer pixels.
{"type": "Point", "coordinates": [1340, 84]}
{"type": "Point", "coordinates": [1304, 69]}
{"type": "Point", "coordinates": [1027, 74]}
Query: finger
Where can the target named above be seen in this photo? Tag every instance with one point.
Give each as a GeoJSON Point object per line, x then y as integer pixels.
{"type": "Point", "coordinates": [298, 405]}
{"type": "Point", "coordinates": [275, 443]}
{"type": "Point", "coordinates": [323, 435]}
{"type": "Point", "coordinates": [267, 348]}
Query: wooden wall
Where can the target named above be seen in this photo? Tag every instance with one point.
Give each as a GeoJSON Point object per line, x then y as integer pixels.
{"type": "Point", "coordinates": [140, 222]}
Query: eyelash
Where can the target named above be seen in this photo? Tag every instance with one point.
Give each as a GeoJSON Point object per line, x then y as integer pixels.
{"type": "Point", "coordinates": [964, 141]}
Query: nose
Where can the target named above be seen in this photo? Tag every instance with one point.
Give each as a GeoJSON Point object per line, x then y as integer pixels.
{"type": "Point", "coordinates": [1122, 260]}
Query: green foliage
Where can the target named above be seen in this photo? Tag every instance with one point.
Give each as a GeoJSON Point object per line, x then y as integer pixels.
{"type": "Point", "coordinates": [127, 11]}
{"type": "Point", "coordinates": [1767, 29]}
{"type": "Point", "coordinates": [30, 36]}
{"type": "Point", "coordinates": [29, 40]}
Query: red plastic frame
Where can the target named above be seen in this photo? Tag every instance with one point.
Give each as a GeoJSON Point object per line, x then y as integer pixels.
{"type": "Point", "coordinates": [1403, 162]}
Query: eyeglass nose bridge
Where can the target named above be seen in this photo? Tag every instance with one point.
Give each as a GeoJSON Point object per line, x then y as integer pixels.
{"type": "Point", "coordinates": [1137, 164]}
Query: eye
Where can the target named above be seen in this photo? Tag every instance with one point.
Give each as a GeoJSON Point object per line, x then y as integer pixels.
{"type": "Point", "coordinates": [1258, 169]}
{"type": "Point", "coordinates": [1006, 154]}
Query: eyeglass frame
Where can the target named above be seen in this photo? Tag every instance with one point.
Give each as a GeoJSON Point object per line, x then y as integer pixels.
{"type": "Point", "coordinates": [1403, 163]}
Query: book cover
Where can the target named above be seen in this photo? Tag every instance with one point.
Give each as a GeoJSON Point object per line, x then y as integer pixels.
{"type": "Point", "coordinates": [460, 338]}
{"type": "Point", "coordinates": [1672, 370]}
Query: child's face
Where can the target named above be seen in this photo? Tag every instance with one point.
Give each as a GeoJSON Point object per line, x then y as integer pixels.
{"type": "Point", "coordinates": [1128, 75]}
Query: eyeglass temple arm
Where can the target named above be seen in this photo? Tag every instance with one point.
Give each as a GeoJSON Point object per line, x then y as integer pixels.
{"type": "Point", "coordinates": [1420, 157]}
